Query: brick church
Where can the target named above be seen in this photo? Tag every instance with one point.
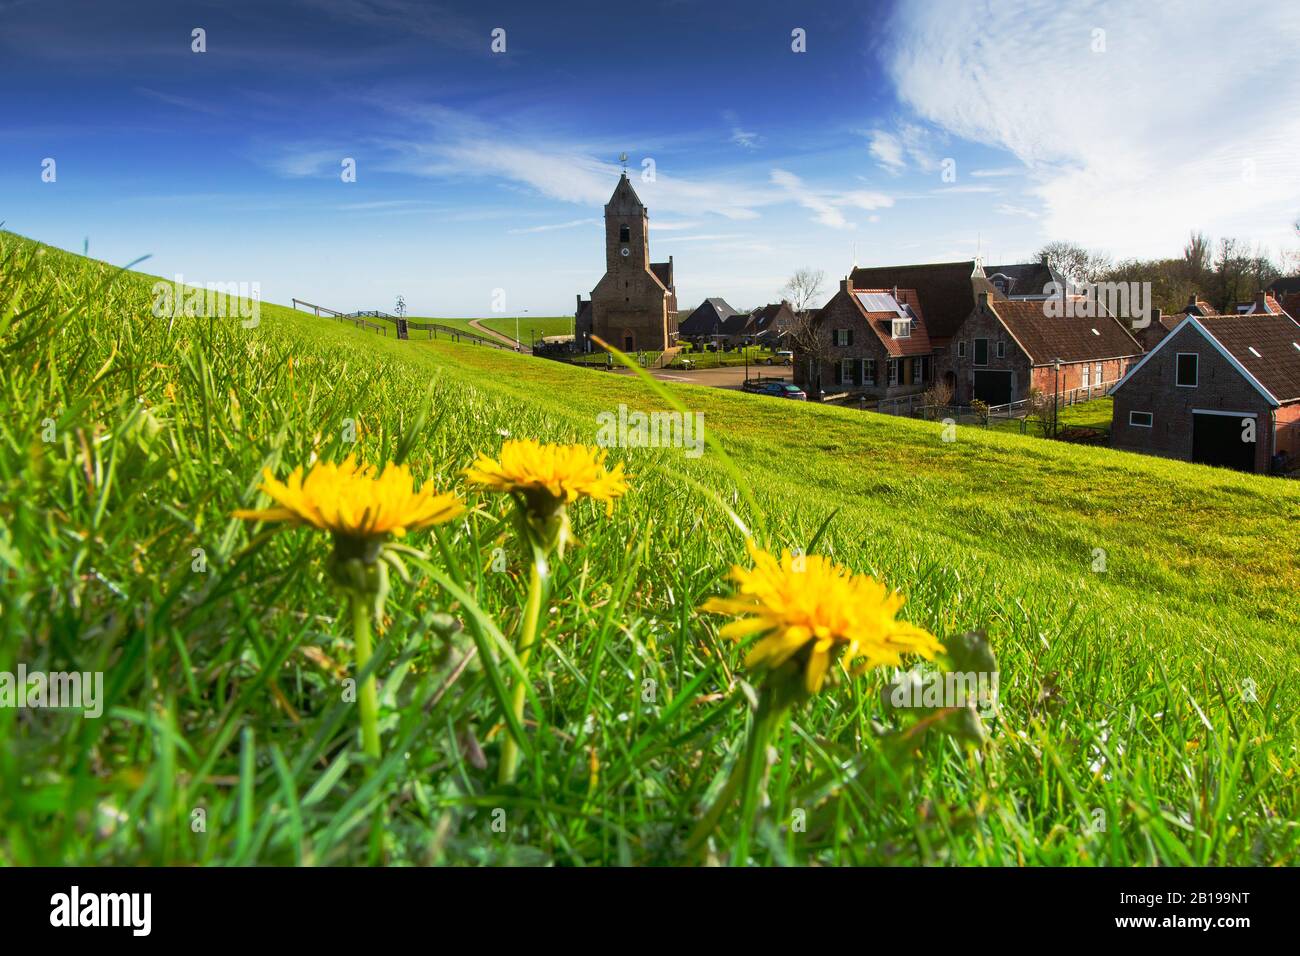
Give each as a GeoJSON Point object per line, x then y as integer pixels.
{"type": "Point", "coordinates": [634, 307]}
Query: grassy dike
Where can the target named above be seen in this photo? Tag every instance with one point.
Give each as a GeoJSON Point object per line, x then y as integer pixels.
{"type": "Point", "coordinates": [1155, 697]}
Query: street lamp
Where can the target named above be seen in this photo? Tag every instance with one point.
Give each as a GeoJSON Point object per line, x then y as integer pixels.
{"type": "Point", "coordinates": [1056, 397]}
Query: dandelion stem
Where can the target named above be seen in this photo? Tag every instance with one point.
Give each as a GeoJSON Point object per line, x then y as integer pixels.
{"type": "Point", "coordinates": [527, 636]}
{"type": "Point", "coordinates": [367, 697]}
{"type": "Point", "coordinates": [754, 765]}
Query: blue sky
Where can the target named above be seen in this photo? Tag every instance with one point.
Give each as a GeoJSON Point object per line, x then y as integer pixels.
{"type": "Point", "coordinates": [479, 171]}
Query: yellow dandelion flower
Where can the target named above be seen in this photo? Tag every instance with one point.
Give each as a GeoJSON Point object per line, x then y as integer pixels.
{"type": "Point", "coordinates": [558, 474]}
{"type": "Point", "coordinates": [809, 612]}
{"type": "Point", "coordinates": [362, 511]}
{"type": "Point", "coordinates": [349, 500]}
{"type": "Point", "coordinates": [543, 479]}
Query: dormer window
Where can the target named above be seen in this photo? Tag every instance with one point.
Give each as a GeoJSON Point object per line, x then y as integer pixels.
{"type": "Point", "coordinates": [902, 329]}
{"type": "Point", "coordinates": [624, 234]}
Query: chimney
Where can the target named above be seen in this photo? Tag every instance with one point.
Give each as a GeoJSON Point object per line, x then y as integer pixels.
{"type": "Point", "coordinates": [1261, 301]}
{"type": "Point", "coordinates": [846, 284]}
{"type": "Point", "coordinates": [1155, 316]}
{"type": "Point", "coordinates": [1043, 258]}
{"type": "Point", "coordinates": [1191, 300]}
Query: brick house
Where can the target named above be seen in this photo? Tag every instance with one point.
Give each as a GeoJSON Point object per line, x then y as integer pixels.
{"type": "Point", "coordinates": [1221, 390]}
{"type": "Point", "coordinates": [871, 342]}
{"type": "Point", "coordinates": [634, 306]}
{"type": "Point", "coordinates": [1007, 347]}
{"type": "Point", "coordinates": [769, 323]}
{"type": "Point", "coordinates": [945, 291]}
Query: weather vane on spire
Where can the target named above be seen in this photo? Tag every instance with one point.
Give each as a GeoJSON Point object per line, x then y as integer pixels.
{"type": "Point", "coordinates": [622, 158]}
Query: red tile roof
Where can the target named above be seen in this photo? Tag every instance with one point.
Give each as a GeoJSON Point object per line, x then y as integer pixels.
{"type": "Point", "coordinates": [882, 322]}
{"type": "Point", "coordinates": [1069, 338]}
{"type": "Point", "coordinates": [1267, 346]}
{"type": "Point", "coordinates": [947, 290]}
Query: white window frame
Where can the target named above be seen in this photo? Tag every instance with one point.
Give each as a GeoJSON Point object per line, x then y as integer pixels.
{"type": "Point", "coordinates": [1150, 423]}
{"type": "Point", "coordinates": [961, 348]}
{"type": "Point", "coordinates": [846, 371]}
{"type": "Point", "coordinates": [902, 329]}
{"type": "Point", "coordinates": [895, 371]}
{"type": "Point", "coordinates": [1002, 349]}
{"type": "Point", "coordinates": [1177, 357]}
{"type": "Point", "coordinates": [1084, 376]}
{"type": "Point", "coordinates": [868, 379]}
{"type": "Point", "coordinates": [1097, 372]}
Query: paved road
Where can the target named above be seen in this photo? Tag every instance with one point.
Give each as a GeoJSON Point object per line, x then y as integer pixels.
{"type": "Point", "coordinates": [494, 334]}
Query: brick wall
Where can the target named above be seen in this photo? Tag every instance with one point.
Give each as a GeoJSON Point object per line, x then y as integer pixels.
{"type": "Point", "coordinates": [1220, 387]}
{"type": "Point", "coordinates": [983, 324]}
{"type": "Point", "coordinates": [842, 313]}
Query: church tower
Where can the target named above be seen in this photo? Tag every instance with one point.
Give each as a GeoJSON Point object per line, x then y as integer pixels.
{"type": "Point", "coordinates": [634, 306]}
{"type": "Point", "coordinates": [627, 240]}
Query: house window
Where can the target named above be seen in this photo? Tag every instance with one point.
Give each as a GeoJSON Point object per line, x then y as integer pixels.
{"type": "Point", "coordinates": [1002, 349]}
{"type": "Point", "coordinates": [1140, 419]}
{"type": "Point", "coordinates": [1188, 369]}
{"type": "Point", "coordinates": [624, 234]}
{"type": "Point", "coordinates": [918, 371]}
{"type": "Point", "coordinates": [902, 329]}
{"type": "Point", "coordinates": [846, 371]}
{"type": "Point", "coordinates": [868, 371]}
{"type": "Point", "coordinates": [1083, 381]}
{"type": "Point", "coordinates": [961, 349]}
{"type": "Point", "coordinates": [893, 370]}
{"type": "Point", "coordinates": [1096, 373]}
{"type": "Point", "coordinates": [981, 351]}
{"type": "Point", "coordinates": [843, 337]}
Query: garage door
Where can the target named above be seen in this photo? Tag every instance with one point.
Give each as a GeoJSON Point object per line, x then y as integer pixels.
{"type": "Point", "coordinates": [993, 387]}
{"type": "Point", "coordinates": [1218, 440]}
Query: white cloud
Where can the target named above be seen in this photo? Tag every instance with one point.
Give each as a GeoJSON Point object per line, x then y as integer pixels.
{"type": "Point", "coordinates": [740, 136]}
{"type": "Point", "coordinates": [1128, 150]}
{"type": "Point", "coordinates": [828, 206]}
{"type": "Point", "coordinates": [549, 227]}
{"type": "Point", "coordinates": [894, 150]}
{"type": "Point", "coordinates": [887, 150]}
{"type": "Point", "coordinates": [455, 144]}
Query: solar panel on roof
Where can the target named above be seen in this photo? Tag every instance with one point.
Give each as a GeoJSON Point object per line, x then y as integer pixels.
{"type": "Point", "coordinates": [879, 302]}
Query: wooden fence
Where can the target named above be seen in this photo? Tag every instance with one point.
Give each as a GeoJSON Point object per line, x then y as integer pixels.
{"type": "Point", "coordinates": [361, 320]}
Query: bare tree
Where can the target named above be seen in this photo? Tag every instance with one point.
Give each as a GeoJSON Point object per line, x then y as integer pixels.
{"type": "Point", "coordinates": [1075, 262]}
{"type": "Point", "coordinates": [804, 290]}
{"type": "Point", "coordinates": [811, 347]}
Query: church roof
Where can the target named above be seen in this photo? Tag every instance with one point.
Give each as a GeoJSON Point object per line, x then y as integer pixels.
{"type": "Point", "coordinates": [624, 198]}
{"type": "Point", "coordinates": [663, 272]}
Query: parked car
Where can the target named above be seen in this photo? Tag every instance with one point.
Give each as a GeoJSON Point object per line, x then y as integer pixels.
{"type": "Point", "coordinates": [783, 390]}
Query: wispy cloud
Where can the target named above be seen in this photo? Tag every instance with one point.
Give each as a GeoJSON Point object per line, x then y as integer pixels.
{"type": "Point", "coordinates": [571, 224]}
{"type": "Point", "coordinates": [910, 144]}
{"type": "Point", "coordinates": [740, 136]}
{"type": "Point", "coordinates": [1143, 152]}
{"type": "Point", "coordinates": [998, 172]}
{"type": "Point", "coordinates": [828, 206]}
{"type": "Point", "coordinates": [184, 102]}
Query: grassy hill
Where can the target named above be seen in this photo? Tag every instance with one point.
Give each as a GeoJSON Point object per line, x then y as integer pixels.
{"type": "Point", "coordinates": [1143, 612]}
{"type": "Point", "coordinates": [530, 326]}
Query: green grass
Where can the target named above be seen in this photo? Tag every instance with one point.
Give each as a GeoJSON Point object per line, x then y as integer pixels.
{"type": "Point", "coordinates": [1121, 689]}
{"type": "Point", "coordinates": [530, 326]}
{"type": "Point", "coordinates": [1094, 413]}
